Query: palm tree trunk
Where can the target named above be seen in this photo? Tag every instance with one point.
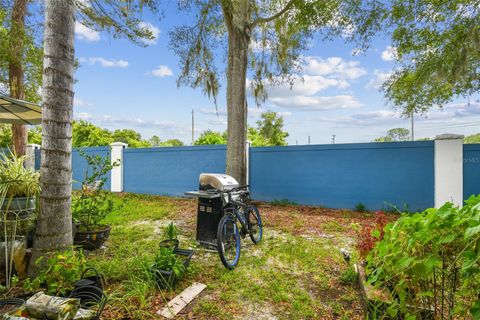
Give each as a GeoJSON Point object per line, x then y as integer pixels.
{"type": "Point", "coordinates": [15, 70]}
{"type": "Point", "coordinates": [54, 223]}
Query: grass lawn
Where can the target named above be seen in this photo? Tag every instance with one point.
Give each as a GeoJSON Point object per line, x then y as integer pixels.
{"type": "Point", "coordinates": [294, 273]}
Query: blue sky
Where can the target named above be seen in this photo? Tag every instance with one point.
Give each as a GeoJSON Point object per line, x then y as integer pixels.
{"type": "Point", "coordinates": [121, 85]}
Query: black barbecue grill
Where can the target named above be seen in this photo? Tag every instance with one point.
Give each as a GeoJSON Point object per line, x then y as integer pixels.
{"type": "Point", "coordinates": [210, 205]}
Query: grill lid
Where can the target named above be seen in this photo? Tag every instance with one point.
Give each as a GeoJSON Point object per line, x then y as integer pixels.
{"type": "Point", "coordinates": [217, 181]}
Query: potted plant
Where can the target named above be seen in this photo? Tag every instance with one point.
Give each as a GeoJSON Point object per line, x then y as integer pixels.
{"type": "Point", "coordinates": [92, 205]}
{"type": "Point", "coordinates": [170, 265]}
{"type": "Point", "coordinates": [19, 187]}
{"type": "Point", "coordinates": [170, 236]}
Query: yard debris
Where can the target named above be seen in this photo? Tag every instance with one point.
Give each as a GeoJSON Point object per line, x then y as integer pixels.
{"type": "Point", "coordinates": [181, 301]}
{"type": "Point", "coordinates": [345, 254]}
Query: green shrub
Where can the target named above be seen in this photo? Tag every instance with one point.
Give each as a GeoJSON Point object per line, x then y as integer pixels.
{"type": "Point", "coordinates": [92, 205]}
{"type": "Point", "coordinates": [58, 273]}
{"type": "Point", "coordinates": [431, 259]}
{"type": "Point", "coordinates": [167, 260]}
{"type": "Point", "coordinates": [171, 232]}
{"type": "Point", "coordinates": [360, 207]}
{"type": "Point", "coordinates": [348, 276]}
{"type": "Point", "coordinates": [283, 203]}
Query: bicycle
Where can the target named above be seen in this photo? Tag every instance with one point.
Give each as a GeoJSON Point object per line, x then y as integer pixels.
{"type": "Point", "coordinates": [237, 208]}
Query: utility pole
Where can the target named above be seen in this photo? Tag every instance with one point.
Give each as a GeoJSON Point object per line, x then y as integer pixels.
{"type": "Point", "coordinates": [333, 138]}
{"type": "Point", "coordinates": [193, 126]}
{"type": "Point", "coordinates": [413, 128]}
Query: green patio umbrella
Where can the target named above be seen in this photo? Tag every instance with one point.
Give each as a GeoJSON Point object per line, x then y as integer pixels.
{"type": "Point", "coordinates": [18, 111]}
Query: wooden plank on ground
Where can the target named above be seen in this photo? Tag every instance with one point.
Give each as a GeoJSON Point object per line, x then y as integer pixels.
{"type": "Point", "coordinates": [181, 301]}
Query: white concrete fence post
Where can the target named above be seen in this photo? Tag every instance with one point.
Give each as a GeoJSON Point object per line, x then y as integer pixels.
{"type": "Point", "coordinates": [448, 169]}
{"type": "Point", "coordinates": [30, 153]}
{"type": "Point", "coordinates": [116, 155]}
{"type": "Point", "coordinates": [247, 161]}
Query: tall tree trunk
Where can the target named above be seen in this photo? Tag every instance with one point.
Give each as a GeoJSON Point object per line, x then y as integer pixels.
{"type": "Point", "coordinates": [15, 70]}
{"type": "Point", "coordinates": [54, 223]}
{"type": "Point", "coordinates": [238, 42]}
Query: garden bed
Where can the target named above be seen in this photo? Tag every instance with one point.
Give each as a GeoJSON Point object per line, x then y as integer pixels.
{"type": "Point", "coordinates": [295, 273]}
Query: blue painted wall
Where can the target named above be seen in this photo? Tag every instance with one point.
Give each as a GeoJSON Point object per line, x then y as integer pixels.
{"type": "Point", "coordinates": [79, 164]}
{"type": "Point", "coordinates": [80, 167]}
{"type": "Point", "coordinates": [38, 153]}
{"type": "Point", "coordinates": [471, 170]}
{"type": "Point", "coordinates": [343, 175]}
{"type": "Point", "coordinates": [170, 170]}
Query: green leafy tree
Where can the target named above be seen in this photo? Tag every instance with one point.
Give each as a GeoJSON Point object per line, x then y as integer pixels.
{"type": "Point", "coordinates": [5, 135]}
{"type": "Point", "coordinates": [35, 135]}
{"type": "Point", "coordinates": [279, 29]}
{"type": "Point", "coordinates": [21, 51]}
{"type": "Point", "coordinates": [395, 135]}
{"type": "Point", "coordinates": [474, 138]}
{"type": "Point", "coordinates": [208, 137]}
{"type": "Point", "coordinates": [172, 143]}
{"type": "Point", "coordinates": [257, 139]}
{"type": "Point", "coordinates": [155, 141]}
{"type": "Point", "coordinates": [437, 44]}
{"type": "Point", "coordinates": [20, 61]}
{"type": "Point", "coordinates": [131, 137]}
{"type": "Point", "coordinates": [86, 134]}
{"type": "Point", "coordinates": [270, 128]}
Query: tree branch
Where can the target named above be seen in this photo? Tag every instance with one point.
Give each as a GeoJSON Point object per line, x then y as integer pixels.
{"type": "Point", "coordinates": [261, 20]}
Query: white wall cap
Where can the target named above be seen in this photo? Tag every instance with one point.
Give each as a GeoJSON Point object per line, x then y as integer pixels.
{"type": "Point", "coordinates": [121, 144]}
{"type": "Point", "coordinates": [449, 136]}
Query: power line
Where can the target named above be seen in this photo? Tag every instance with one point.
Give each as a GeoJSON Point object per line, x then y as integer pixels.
{"type": "Point", "coordinates": [413, 128]}
{"type": "Point", "coordinates": [193, 126]}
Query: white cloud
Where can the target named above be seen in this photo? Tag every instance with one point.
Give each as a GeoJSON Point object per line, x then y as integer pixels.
{"type": "Point", "coordinates": [83, 116]}
{"type": "Point", "coordinates": [379, 77]}
{"type": "Point", "coordinates": [217, 121]}
{"type": "Point", "coordinates": [161, 71]}
{"type": "Point", "coordinates": [389, 54]}
{"type": "Point", "coordinates": [77, 102]}
{"type": "Point", "coordinates": [86, 34]}
{"type": "Point", "coordinates": [309, 85]}
{"type": "Point", "coordinates": [334, 67]}
{"type": "Point", "coordinates": [320, 74]}
{"type": "Point", "coordinates": [155, 32]}
{"type": "Point", "coordinates": [253, 112]}
{"type": "Point", "coordinates": [454, 113]}
{"type": "Point", "coordinates": [317, 103]}
{"type": "Point", "coordinates": [213, 111]}
{"type": "Point", "coordinates": [105, 62]}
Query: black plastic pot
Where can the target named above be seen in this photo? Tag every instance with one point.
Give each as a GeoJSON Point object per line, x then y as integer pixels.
{"type": "Point", "coordinates": [7, 305]}
{"type": "Point", "coordinates": [166, 279]}
{"type": "Point", "coordinates": [91, 297]}
{"type": "Point", "coordinates": [169, 243]}
{"type": "Point", "coordinates": [92, 240]}
{"type": "Point", "coordinates": [91, 277]}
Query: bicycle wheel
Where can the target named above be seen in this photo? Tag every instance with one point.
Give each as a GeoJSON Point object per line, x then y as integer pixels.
{"type": "Point", "coordinates": [254, 222]}
{"type": "Point", "coordinates": [228, 241]}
